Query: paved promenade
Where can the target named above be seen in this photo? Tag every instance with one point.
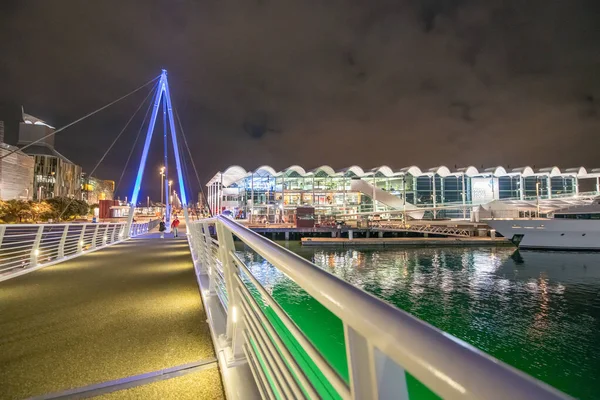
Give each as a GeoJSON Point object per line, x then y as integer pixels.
{"type": "Point", "coordinates": [126, 316]}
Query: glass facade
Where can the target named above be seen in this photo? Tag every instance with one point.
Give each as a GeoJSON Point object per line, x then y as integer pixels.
{"type": "Point", "coordinates": [55, 177]}
{"type": "Point", "coordinates": [265, 195]}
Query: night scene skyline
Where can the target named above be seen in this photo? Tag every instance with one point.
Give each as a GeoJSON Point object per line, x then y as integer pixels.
{"type": "Point", "coordinates": [393, 83]}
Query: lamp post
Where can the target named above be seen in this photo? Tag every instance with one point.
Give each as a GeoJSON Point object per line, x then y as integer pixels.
{"type": "Point", "coordinates": [171, 195]}
{"type": "Point", "coordinates": [162, 182]}
{"type": "Point", "coordinates": [537, 198]}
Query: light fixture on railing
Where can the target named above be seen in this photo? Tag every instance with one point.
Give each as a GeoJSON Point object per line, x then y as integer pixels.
{"type": "Point", "coordinates": [36, 252]}
{"type": "Point", "coordinates": [81, 242]}
{"type": "Point", "coordinates": [234, 315]}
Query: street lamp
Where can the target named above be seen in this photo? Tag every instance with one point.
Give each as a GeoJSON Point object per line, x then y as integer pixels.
{"type": "Point", "coordinates": [162, 182]}
{"type": "Point", "coordinates": [537, 198]}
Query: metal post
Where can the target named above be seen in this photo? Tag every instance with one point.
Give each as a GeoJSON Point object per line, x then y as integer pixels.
{"type": "Point", "coordinates": [210, 263]}
{"type": "Point", "coordinates": [464, 197]}
{"type": "Point", "coordinates": [549, 188]}
{"type": "Point", "coordinates": [521, 187]}
{"type": "Point", "coordinates": [81, 237]}
{"type": "Point", "coordinates": [162, 186]}
{"type": "Point", "coordinates": [63, 240]}
{"type": "Point", "coordinates": [35, 249]}
{"type": "Point", "coordinates": [95, 237]}
{"type": "Point", "coordinates": [344, 202]}
{"type": "Point", "coordinates": [234, 312]}
{"type": "Point", "coordinates": [361, 366]}
{"type": "Point", "coordinates": [251, 198]}
{"type": "Point", "coordinates": [114, 233]}
{"type": "Point", "coordinates": [374, 196]}
{"type": "Point", "coordinates": [404, 200]}
{"type": "Point", "coordinates": [537, 198]}
{"type": "Point", "coordinates": [105, 236]}
{"type": "Point", "coordinates": [313, 201]}
{"type": "Point", "coordinates": [166, 162]}
{"type": "Point", "coordinates": [2, 232]}
{"type": "Point", "coordinates": [433, 196]}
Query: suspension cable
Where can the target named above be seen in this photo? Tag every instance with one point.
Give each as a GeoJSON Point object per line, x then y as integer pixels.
{"type": "Point", "coordinates": [191, 157]}
{"type": "Point", "coordinates": [111, 145]}
{"type": "Point", "coordinates": [133, 147]}
{"type": "Point", "coordinates": [80, 119]}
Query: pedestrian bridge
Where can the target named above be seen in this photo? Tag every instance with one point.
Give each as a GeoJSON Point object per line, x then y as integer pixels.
{"type": "Point", "coordinates": [98, 310]}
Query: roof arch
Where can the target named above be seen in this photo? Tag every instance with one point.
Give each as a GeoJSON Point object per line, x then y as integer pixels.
{"type": "Point", "coordinates": [229, 177]}
{"type": "Point", "coordinates": [325, 168]}
{"type": "Point", "coordinates": [524, 171]}
{"type": "Point", "coordinates": [265, 170]}
{"type": "Point", "coordinates": [384, 169]}
{"type": "Point", "coordinates": [441, 171]}
{"type": "Point", "coordinates": [295, 168]}
{"type": "Point", "coordinates": [496, 171]}
{"type": "Point", "coordinates": [412, 170]}
{"type": "Point", "coordinates": [550, 171]}
{"type": "Point", "coordinates": [355, 169]}
{"type": "Point", "coordinates": [469, 171]}
{"type": "Point", "coordinates": [581, 171]}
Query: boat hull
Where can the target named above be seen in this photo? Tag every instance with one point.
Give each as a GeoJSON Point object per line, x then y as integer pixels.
{"type": "Point", "coordinates": [557, 234]}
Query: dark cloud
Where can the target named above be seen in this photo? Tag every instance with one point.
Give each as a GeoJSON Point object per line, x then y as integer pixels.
{"type": "Point", "coordinates": [313, 82]}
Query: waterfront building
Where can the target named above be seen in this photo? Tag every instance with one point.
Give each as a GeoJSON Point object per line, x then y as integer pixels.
{"type": "Point", "coordinates": [16, 170]}
{"type": "Point", "coordinates": [273, 196]}
{"type": "Point", "coordinates": [54, 174]}
{"type": "Point", "coordinates": [93, 189]}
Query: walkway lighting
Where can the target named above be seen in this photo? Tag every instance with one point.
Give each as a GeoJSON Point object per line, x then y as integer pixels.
{"type": "Point", "coordinates": [36, 252]}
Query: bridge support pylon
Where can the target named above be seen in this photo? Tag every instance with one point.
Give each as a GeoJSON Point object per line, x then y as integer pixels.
{"type": "Point", "coordinates": [162, 96]}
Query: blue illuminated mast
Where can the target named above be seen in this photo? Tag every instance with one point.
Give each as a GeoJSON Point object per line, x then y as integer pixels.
{"type": "Point", "coordinates": [162, 95]}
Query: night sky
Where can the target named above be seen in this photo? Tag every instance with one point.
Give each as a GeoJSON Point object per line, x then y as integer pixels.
{"type": "Point", "coordinates": [279, 82]}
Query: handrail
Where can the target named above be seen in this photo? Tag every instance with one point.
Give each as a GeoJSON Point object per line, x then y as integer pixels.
{"type": "Point", "coordinates": [27, 247]}
{"type": "Point", "coordinates": [446, 365]}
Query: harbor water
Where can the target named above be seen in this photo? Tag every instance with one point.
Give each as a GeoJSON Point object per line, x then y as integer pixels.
{"type": "Point", "coordinates": [537, 311]}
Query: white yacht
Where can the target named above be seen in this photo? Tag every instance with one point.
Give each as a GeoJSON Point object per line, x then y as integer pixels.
{"type": "Point", "coordinates": [574, 228]}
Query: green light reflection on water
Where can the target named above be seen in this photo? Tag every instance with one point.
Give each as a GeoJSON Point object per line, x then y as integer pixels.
{"type": "Point", "coordinates": [539, 312]}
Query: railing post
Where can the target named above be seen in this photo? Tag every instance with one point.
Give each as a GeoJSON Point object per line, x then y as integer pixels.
{"type": "Point", "coordinates": [113, 238]}
{"type": "Point", "coordinates": [2, 231]}
{"type": "Point", "coordinates": [95, 237]}
{"type": "Point", "coordinates": [105, 235]}
{"type": "Point", "coordinates": [63, 240]}
{"type": "Point", "coordinates": [361, 366]}
{"type": "Point", "coordinates": [234, 312]}
{"type": "Point", "coordinates": [208, 256]}
{"type": "Point", "coordinates": [80, 242]}
{"type": "Point", "coordinates": [35, 249]}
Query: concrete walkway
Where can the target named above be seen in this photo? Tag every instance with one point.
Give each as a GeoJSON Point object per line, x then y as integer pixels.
{"type": "Point", "coordinates": [130, 309]}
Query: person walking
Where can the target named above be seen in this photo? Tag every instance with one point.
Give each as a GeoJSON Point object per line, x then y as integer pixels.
{"type": "Point", "coordinates": [162, 228]}
{"type": "Point", "coordinates": [174, 226]}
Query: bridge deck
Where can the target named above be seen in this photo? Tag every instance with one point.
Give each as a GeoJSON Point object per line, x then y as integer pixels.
{"type": "Point", "coordinates": [127, 310]}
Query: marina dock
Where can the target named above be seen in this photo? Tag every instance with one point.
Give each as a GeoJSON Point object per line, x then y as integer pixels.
{"type": "Point", "coordinates": [407, 241]}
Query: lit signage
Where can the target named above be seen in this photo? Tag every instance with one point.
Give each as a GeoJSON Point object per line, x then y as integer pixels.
{"type": "Point", "coordinates": [484, 190]}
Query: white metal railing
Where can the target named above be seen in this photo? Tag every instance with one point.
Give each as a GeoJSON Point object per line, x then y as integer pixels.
{"type": "Point", "coordinates": [382, 342]}
{"type": "Point", "coordinates": [388, 226]}
{"type": "Point", "coordinates": [24, 248]}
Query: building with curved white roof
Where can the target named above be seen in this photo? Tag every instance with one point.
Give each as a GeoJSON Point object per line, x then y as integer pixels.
{"type": "Point", "coordinates": [269, 194]}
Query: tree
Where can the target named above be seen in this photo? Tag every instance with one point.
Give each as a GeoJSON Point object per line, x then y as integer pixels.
{"type": "Point", "coordinates": [13, 210]}
{"type": "Point", "coordinates": [41, 211]}
{"type": "Point", "coordinates": [65, 208]}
